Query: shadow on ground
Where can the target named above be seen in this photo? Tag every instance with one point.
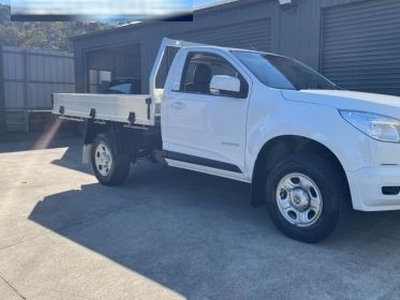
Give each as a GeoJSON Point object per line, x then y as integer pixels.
{"type": "Point", "coordinates": [57, 134]}
{"type": "Point", "coordinates": [175, 227]}
{"type": "Point", "coordinates": [22, 142]}
{"type": "Point", "coordinates": [198, 235]}
{"type": "Point", "coordinates": [72, 158]}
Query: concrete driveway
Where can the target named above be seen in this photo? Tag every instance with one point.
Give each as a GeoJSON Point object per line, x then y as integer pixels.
{"type": "Point", "coordinates": [170, 234]}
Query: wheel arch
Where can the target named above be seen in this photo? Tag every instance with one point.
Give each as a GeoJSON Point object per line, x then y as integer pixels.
{"type": "Point", "coordinates": [120, 136]}
{"type": "Point", "coordinates": [279, 147]}
{"type": "Point", "coordinates": [92, 129]}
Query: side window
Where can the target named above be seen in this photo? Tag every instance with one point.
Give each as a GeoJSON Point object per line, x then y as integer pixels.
{"type": "Point", "coordinates": [199, 69]}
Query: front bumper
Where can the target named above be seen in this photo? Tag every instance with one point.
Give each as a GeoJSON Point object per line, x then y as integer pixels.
{"type": "Point", "coordinates": [367, 184]}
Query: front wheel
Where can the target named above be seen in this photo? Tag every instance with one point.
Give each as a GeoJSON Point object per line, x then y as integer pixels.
{"type": "Point", "coordinates": [306, 197]}
{"type": "Point", "coordinates": [110, 166]}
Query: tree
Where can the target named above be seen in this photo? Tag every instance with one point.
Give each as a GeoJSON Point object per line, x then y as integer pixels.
{"type": "Point", "coordinates": [8, 36]}
{"type": "Point", "coordinates": [42, 35]}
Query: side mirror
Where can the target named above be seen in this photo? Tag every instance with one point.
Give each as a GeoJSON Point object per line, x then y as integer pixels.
{"type": "Point", "coordinates": [225, 85]}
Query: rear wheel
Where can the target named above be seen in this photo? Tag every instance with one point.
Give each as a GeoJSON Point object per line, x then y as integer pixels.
{"type": "Point", "coordinates": [110, 166]}
{"type": "Point", "coordinates": [306, 197]}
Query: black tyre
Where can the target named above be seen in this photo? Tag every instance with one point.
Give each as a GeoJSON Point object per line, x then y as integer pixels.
{"type": "Point", "coordinates": [110, 166]}
{"type": "Point", "coordinates": [306, 197]}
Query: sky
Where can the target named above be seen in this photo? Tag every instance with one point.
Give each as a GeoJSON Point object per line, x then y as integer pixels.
{"type": "Point", "coordinates": [195, 2]}
{"type": "Point", "coordinates": [103, 10]}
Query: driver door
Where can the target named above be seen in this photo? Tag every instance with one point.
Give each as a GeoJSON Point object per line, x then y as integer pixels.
{"type": "Point", "coordinates": [205, 129]}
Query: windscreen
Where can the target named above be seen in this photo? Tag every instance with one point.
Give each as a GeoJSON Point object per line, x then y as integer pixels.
{"type": "Point", "coordinates": [282, 72]}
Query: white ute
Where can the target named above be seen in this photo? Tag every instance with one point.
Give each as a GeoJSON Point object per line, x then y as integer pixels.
{"type": "Point", "coordinates": [309, 149]}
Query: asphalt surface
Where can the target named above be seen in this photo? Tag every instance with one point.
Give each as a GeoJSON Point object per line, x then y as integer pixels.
{"type": "Point", "coordinates": [170, 234]}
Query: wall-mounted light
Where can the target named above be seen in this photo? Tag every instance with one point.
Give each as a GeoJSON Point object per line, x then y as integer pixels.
{"type": "Point", "coordinates": [288, 5]}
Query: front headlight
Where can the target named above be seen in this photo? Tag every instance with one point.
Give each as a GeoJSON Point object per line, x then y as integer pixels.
{"type": "Point", "coordinates": [378, 127]}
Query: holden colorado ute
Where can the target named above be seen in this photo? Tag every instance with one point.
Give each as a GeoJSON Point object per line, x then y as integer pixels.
{"type": "Point", "coordinates": [309, 149]}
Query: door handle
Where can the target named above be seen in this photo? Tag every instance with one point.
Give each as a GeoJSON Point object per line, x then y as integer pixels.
{"type": "Point", "coordinates": [178, 105]}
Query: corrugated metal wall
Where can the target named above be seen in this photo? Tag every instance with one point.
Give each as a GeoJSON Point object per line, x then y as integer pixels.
{"type": "Point", "coordinates": [250, 35]}
{"type": "Point", "coordinates": [2, 100]}
{"type": "Point", "coordinates": [361, 46]}
{"type": "Point", "coordinates": [28, 79]}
